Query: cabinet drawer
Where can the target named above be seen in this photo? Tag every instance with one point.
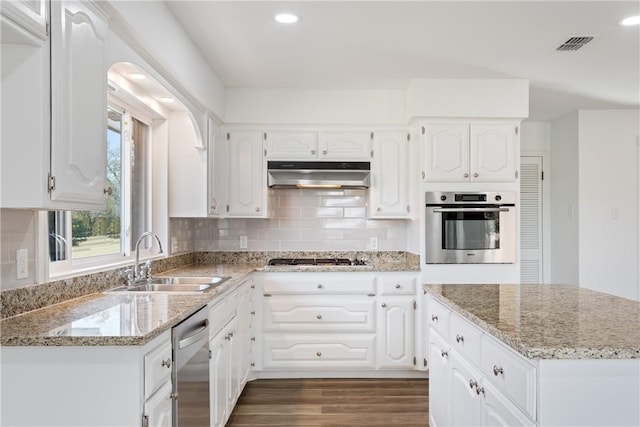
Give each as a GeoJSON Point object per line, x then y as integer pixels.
{"type": "Point", "coordinates": [318, 284]}
{"type": "Point", "coordinates": [157, 368]}
{"type": "Point", "coordinates": [217, 317]}
{"type": "Point", "coordinates": [465, 337]}
{"type": "Point", "coordinates": [318, 314]}
{"type": "Point", "coordinates": [510, 372]}
{"type": "Point", "coordinates": [438, 317]}
{"type": "Point", "coordinates": [397, 285]}
{"type": "Point", "coordinates": [319, 351]}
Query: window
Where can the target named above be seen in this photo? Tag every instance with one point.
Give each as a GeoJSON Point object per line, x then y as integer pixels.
{"type": "Point", "coordinates": [85, 239]}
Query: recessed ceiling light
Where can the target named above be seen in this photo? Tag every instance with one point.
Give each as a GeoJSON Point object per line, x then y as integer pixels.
{"type": "Point", "coordinates": [286, 18]}
{"type": "Point", "coordinates": [632, 20]}
{"type": "Point", "coordinates": [137, 76]}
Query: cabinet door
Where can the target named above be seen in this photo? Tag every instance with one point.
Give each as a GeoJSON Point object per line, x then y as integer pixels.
{"type": "Point", "coordinates": [159, 408]}
{"type": "Point", "coordinates": [446, 152]}
{"type": "Point", "coordinates": [285, 144]}
{"type": "Point", "coordinates": [219, 378]}
{"type": "Point", "coordinates": [30, 15]}
{"type": "Point", "coordinates": [345, 145]}
{"type": "Point", "coordinates": [497, 410]}
{"type": "Point", "coordinates": [217, 170]}
{"type": "Point", "coordinates": [464, 403]}
{"type": "Point", "coordinates": [247, 186]}
{"type": "Point", "coordinates": [389, 192]}
{"type": "Point", "coordinates": [438, 382]}
{"type": "Point", "coordinates": [493, 152]}
{"type": "Point", "coordinates": [78, 104]}
{"type": "Point", "coordinates": [395, 342]}
{"type": "Point", "coordinates": [244, 333]}
{"type": "Point", "coordinates": [235, 365]}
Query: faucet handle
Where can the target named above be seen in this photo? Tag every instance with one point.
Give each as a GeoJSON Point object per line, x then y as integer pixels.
{"type": "Point", "coordinates": [127, 273]}
{"type": "Point", "coordinates": [146, 270]}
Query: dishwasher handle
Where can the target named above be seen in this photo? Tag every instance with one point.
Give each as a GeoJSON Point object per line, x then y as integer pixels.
{"type": "Point", "coordinates": [195, 335]}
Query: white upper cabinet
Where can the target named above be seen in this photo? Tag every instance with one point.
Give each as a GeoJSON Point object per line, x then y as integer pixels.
{"type": "Point", "coordinates": [246, 175]}
{"type": "Point", "coordinates": [462, 152]}
{"type": "Point", "coordinates": [289, 144]}
{"type": "Point", "coordinates": [30, 15]}
{"type": "Point", "coordinates": [389, 191]}
{"type": "Point", "coordinates": [344, 145]}
{"type": "Point", "coordinates": [317, 145]}
{"type": "Point", "coordinates": [217, 163]}
{"type": "Point", "coordinates": [78, 104]}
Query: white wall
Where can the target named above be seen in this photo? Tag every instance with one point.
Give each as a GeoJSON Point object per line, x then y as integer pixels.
{"type": "Point", "coordinates": [564, 200]}
{"type": "Point", "coordinates": [608, 201]}
{"type": "Point", "coordinates": [535, 136]}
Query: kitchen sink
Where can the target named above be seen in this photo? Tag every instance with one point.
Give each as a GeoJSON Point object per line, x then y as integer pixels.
{"type": "Point", "coordinates": [174, 285]}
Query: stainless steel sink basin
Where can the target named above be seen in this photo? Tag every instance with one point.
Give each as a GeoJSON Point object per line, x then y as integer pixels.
{"type": "Point", "coordinates": [174, 285]}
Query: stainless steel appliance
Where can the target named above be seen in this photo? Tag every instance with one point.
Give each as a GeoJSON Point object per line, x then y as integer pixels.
{"type": "Point", "coordinates": [309, 174]}
{"type": "Point", "coordinates": [470, 228]}
{"type": "Point", "coordinates": [191, 371]}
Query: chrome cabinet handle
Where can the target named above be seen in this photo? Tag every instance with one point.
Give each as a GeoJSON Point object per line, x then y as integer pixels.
{"type": "Point", "coordinates": [318, 354]}
{"type": "Point", "coordinates": [398, 286]}
{"type": "Point", "coordinates": [434, 318]}
{"type": "Point", "coordinates": [497, 370]}
{"type": "Point", "coordinates": [257, 209]}
{"type": "Point", "coordinates": [319, 285]}
{"type": "Point", "coordinates": [227, 337]}
{"type": "Point", "coordinates": [167, 363]}
{"type": "Point", "coordinates": [324, 152]}
{"type": "Point", "coordinates": [480, 390]}
{"type": "Point", "coordinates": [384, 305]}
{"type": "Point", "coordinates": [473, 384]}
{"type": "Point", "coordinates": [459, 338]}
{"type": "Point", "coordinates": [253, 312]}
{"type": "Point", "coordinates": [466, 175]}
{"type": "Point", "coordinates": [319, 316]}
{"type": "Point", "coordinates": [313, 151]}
{"type": "Point", "coordinates": [230, 334]}
{"type": "Point", "coordinates": [475, 175]}
{"type": "Point", "coordinates": [444, 353]}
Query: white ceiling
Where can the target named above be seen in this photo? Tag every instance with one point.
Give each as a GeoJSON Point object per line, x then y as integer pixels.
{"type": "Point", "coordinates": [383, 44]}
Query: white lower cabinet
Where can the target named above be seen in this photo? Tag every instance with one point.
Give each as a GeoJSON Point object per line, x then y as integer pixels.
{"type": "Point", "coordinates": [438, 370]}
{"type": "Point", "coordinates": [395, 332]}
{"type": "Point", "coordinates": [219, 378]}
{"type": "Point", "coordinates": [158, 409]}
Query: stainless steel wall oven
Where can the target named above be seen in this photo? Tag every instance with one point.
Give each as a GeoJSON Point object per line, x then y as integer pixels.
{"type": "Point", "coordinates": [470, 228]}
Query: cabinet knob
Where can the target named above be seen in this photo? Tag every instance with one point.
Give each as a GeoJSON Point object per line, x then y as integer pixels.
{"type": "Point", "coordinates": [313, 152]}
{"type": "Point", "coordinates": [434, 318]}
{"type": "Point", "coordinates": [497, 370]}
{"type": "Point", "coordinates": [319, 285]}
{"type": "Point", "coordinates": [230, 334]}
{"type": "Point", "coordinates": [167, 363]}
{"type": "Point", "coordinates": [459, 339]}
{"type": "Point", "coordinates": [253, 365]}
{"type": "Point", "coordinates": [466, 175]}
{"type": "Point", "coordinates": [473, 384]}
{"type": "Point", "coordinates": [384, 305]}
{"type": "Point", "coordinates": [319, 316]}
{"type": "Point", "coordinates": [108, 190]}
{"type": "Point", "coordinates": [324, 152]}
{"type": "Point", "coordinates": [257, 209]}
{"type": "Point", "coordinates": [318, 354]}
{"type": "Point", "coordinates": [379, 209]}
{"type": "Point", "coordinates": [444, 353]}
{"type": "Point", "coordinates": [253, 312]}
{"type": "Point", "coordinates": [227, 337]}
{"type": "Point", "coordinates": [479, 390]}
{"type": "Point", "coordinates": [397, 285]}
{"type": "Point", "coordinates": [475, 175]}
{"type": "Point", "coordinates": [423, 175]}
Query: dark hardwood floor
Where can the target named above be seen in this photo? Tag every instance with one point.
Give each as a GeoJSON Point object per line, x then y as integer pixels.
{"type": "Point", "coordinates": [333, 402]}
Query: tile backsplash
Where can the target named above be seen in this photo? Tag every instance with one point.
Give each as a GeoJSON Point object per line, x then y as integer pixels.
{"type": "Point", "coordinates": [299, 220]}
{"type": "Point", "coordinates": [17, 231]}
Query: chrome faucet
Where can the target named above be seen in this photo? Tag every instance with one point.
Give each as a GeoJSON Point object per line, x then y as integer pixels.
{"type": "Point", "coordinates": [137, 270]}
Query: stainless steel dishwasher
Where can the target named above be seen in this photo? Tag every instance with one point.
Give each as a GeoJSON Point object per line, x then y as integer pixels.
{"type": "Point", "coordinates": [191, 371]}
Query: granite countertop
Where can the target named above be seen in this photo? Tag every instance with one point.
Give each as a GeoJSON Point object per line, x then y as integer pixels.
{"type": "Point", "coordinates": [121, 318]}
{"type": "Point", "coordinates": [549, 321]}
{"type": "Point", "coordinates": [117, 318]}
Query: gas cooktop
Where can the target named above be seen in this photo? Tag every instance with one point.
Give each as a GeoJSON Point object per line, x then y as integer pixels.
{"type": "Point", "coordinates": [315, 261]}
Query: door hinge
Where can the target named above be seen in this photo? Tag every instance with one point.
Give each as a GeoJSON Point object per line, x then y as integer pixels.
{"type": "Point", "coordinates": [516, 130]}
{"type": "Point", "coordinates": [516, 174]}
{"type": "Point", "coordinates": [227, 208]}
{"type": "Point", "coordinates": [47, 29]}
{"type": "Point", "coordinates": [371, 153]}
{"type": "Point", "coordinates": [408, 208]}
{"type": "Point", "coordinates": [415, 361]}
{"type": "Point", "coordinates": [228, 136]}
{"type": "Point", "coordinates": [424, 362]}
{"type": "Point", "coordinates": [265, 152]}
{"type": "Point", "coordinates": [541, 175]}
{"type": "Point", "coordinates": [408, 137]}
{"type": "Point", "coordinates": [264, 135]}
{"type": "Point", "coordinates": [145, 421]}
{"type": "Point", "coordinates": [415, 305]}
{"type": "Point", "coordinates": [210, 354]}
{"type": "Point", "coordinates": [51, 183]}
{"type": "Point", "coordinates": [423, 130]}
{"type": "Point", "coordinates": [372, 134]}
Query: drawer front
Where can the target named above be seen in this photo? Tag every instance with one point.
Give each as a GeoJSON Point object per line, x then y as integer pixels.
{"type": "Point", "coordinates": [232, 305]}
{"type": "Point", "coordinates": [318, 314]}
{"type": "Point", "coordinates": [438, 317]}
{"type": "Point", "coordinates": [218, 317]}
{"type": "Point", "coordinates": [510, 372]}
{"type": "Point", "coordinates": [318, 284]}
{"type": "Point", "coordinates": [319, 351]}
{"type": "Point", "coordinates": [157, 368]}
{"type": "Point", "coordinates": [465, 337]}
{"type": "Point", "coordinates": [397, 284]}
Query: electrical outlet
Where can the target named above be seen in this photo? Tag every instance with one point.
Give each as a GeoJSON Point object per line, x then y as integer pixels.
{"type": "Point", "coordinates": [373, 242]}
{"type": "Point", "coordinates": [243, 242]}
{"type": "Point", "coordinates": [22, 257]}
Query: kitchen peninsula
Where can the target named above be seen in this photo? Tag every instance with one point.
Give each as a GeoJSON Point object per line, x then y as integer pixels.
{"type": "Point", "coordinates": [532, 355]}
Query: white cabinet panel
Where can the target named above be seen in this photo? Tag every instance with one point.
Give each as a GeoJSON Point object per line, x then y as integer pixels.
{"type": "Point", "coordinates": [290, 144]}
{"type": "Point", "coordinates": [247, 180]}
{"type": "Point", "coordinates": [345, 145]}
{"type": "Point", "coordinates": [319, 284]}
{"type": "Point", "coordinates": [217, 170]}
{"type": "Point", "coordinates": [497, 410]}
{"type": "Point", "coordinates": [157, 368]}
{"type": "Point", "coordinates": [159, 409]}
{"type": "Point", "coordinates": [395, 332]}
{"type": "Point", "coordinates": [462, 395]}
{"type": "Point", "coordinates": [78, 103]}
{"type": "Point", "coordinates": [30, 15]}
{"type": "Point", "coordinates": [493, 149]}
{"type": "Point", "coordinates": [465, 338]}
{"type": "Point", "coordinates": [446, 152]}
{"type": "Point", "coordinates": [219, 379]}
{"type": "Point", "coordinates": [438, 381]}
{"type": "Point", "coordinates": [389, 192]}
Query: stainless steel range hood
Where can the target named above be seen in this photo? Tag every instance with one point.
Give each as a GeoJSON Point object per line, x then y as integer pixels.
{"type": "Point", "coordinates": [308, 174]}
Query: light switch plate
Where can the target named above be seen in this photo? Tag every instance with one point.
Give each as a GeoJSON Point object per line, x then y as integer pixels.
{"type": "Point", "coordinates": [373, 242]}
{"type": "Point", "coordinates": [22, 259]}
{"type": "Point", "coordinates": [243, 242]}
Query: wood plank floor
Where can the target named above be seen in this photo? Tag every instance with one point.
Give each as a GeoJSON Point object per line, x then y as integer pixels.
{"type": "Point", "coordinates": [333, 402]}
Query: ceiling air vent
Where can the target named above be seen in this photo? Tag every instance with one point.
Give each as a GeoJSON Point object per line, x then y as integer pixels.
{"type": "Point", "coordinates": [575, 43]}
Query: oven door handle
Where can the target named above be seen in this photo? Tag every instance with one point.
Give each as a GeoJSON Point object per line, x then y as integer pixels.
{"type": "Point", "coordinates": [471, 210]}
{"type": "Point", "coordinates": [194, 336]}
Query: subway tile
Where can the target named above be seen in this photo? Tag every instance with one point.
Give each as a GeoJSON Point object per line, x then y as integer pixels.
{"type": "Point", "coordinates": [279, 235]}
{"type": "Point", "coordinates": [309, 245]}
{"type": "Point", "coordinates": [355, 212]}
{"type": "Point", "coordinates": [344, 223]}
{"type": "Point", "coordinates": [287, 212]}
{"type": "Point", "coordinates": [364, 234]}
{"type": "Point", "coordinates": [384, 223]}
{"type": "Point", "coordinates": [322, 212]}
{"type": "Point", "coordinates": [263, 245]}
{"type": "Point", "coordinates": [344, 201]}
{"type": "Point", "coordinates": [392, 245]}
{"type": "Point", "coordinates": [344, 245]}
{"type": "Point", "coordinates": [321, 234]}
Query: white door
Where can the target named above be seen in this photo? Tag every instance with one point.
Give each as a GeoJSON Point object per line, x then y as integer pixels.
{"type": "Point", "coordinates": [289, 144]}
{"type": "Point", "coordinates": [389, 192]}
{"type": "Point", "coordinates": [345, 145]}
{"type": "Point", "coordinates": [498, 411]}
{"type": "Point", "coordinates": [395, 332]}
{"type": "Point", "coordinates": [78, 103]}
{"type": "Point", "coordinates": [531, 231]}
{"type": "Point", "coordinates": [446, 152]}
{"type": "Point", "coordinates": [438, 372]}
{"type": "Point", "coordinates": [492, 152]}
{"type": "Point", "coordinates": [235, 365]}
{"type": "Point", "coordinates": [219, 378]}
{"type": "Point", "coordinates": [217, 169]}
{"type": "Point", "coordinates": [159, 408]}
{"type": "Point", "coordinates": [462, 397]}
{"type": "Point", "coordinates": [246, 174]}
